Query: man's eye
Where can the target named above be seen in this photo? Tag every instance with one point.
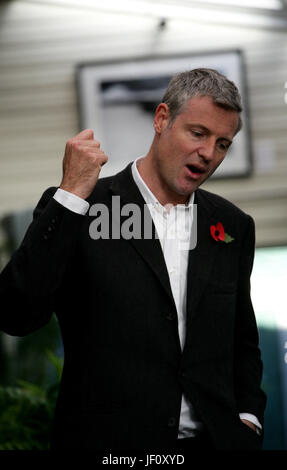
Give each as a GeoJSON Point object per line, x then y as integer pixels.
{"type": "Point", "coordinates": [196, 133]}
{"type": "Point", "coordinates": [224, 147]}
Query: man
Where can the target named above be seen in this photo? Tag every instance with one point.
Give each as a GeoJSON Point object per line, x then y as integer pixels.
{"type": "Point", "coordinates": [161, 342]}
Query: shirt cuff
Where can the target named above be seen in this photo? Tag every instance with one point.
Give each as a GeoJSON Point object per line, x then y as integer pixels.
{"type": "Point", "coordinates": [71, 201]}
{"type": "Point", "coordinates": [253, 420]}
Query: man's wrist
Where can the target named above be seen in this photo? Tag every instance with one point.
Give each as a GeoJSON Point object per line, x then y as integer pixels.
{"type": "Point", "coordinates": [71, 201]}
{"type": "Point", "coordinates": [250, 420]}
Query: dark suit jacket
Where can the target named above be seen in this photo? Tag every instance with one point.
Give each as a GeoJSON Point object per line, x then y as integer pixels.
{"type": "Point", "coordinates": [124, 372]}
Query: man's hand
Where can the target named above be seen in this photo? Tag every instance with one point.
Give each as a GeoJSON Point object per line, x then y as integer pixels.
{"type": "Point", "coordinates": [82, 164]}
{"type": "Point", "coordinates": [248, 423]}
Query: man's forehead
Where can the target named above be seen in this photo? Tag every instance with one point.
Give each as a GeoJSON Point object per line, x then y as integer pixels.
{"type": "Point", "coordinates": [205, 111]}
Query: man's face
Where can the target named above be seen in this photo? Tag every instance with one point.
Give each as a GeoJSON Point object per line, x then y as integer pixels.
{"type": "Point", "coordinates": [190, 149]}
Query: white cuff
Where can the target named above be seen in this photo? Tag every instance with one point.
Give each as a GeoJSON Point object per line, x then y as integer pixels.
{"type": "Point", "coordinates": [71, 201]}
{"type": "Point", "coordinates": [252, 419]}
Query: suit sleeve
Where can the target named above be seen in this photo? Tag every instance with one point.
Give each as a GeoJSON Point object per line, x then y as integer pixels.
{"type": "Point", "coordinates": [32, 278]}
{"type": "Point", "coordinates": [248, 364]}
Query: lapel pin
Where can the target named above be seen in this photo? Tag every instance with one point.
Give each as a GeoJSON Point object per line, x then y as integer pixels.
{"type": "Point", "coordinates": [218, 233]}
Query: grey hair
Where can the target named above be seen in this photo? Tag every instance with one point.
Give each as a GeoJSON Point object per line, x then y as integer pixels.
{"type": "Point", "coordinates": [202, 82]}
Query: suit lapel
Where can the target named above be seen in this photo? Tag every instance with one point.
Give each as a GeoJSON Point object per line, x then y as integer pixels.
{"type": "Point", "coordinates": [201, 258]}
{"type": "Point", "coordinates": [149, 249]}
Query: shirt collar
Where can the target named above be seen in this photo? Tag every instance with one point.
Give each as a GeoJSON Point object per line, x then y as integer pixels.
{"type": "Point", "coordinates": [148, 196]}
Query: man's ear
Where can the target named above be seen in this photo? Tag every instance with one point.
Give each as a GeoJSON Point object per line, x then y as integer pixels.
{"type": "Point", "coordinates": [161, 118]}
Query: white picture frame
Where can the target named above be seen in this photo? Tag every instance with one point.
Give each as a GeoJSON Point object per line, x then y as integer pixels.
{"type": "Point", "coordinates": [117, 99]}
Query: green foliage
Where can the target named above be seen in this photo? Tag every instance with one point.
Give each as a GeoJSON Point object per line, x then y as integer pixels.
{"type": "Point", "coordinates": [57, 362]}
{"type": "Point", "coordinates": [26, 413]}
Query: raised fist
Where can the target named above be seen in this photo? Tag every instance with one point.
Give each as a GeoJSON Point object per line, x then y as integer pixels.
{"type": "Point", "coordinates": [82, 164]}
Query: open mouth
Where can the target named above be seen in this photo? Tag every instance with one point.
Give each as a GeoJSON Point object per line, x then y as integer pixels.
{"type": "Point", "coordinates": [195, 170]}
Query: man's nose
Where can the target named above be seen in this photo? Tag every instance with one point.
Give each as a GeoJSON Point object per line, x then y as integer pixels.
{"type": "Point", "coordinates": [207, 149]}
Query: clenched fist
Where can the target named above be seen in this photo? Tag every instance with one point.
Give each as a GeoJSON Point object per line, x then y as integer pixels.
{"type": "Point", "coordinates": [82, 164]}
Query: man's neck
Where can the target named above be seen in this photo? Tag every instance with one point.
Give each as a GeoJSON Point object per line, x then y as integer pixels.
{"type": "Point", "coordinates": [159, 189]}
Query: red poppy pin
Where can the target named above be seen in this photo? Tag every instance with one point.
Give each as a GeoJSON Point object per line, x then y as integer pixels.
{"type": "Point", "coordinates": [218, 233]}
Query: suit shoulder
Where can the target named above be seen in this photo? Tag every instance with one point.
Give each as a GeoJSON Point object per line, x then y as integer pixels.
{"type": "Point", "coordinates": [105, 184]}
{"type": "Point", "coordinates": [222, 204]}
{"type": "Point", "coordinates": [101, 189]}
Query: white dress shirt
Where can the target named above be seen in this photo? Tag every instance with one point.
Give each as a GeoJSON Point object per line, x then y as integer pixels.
{"type": "Point", "coordinates": [173, 226]}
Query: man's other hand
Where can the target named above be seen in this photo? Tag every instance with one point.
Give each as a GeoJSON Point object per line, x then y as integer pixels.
{"type": "Point", "coordinates": [82, 164]}
{"type": "Point", "coordinates": [248, 423]}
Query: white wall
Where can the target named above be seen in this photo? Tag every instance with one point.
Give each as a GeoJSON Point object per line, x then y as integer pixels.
{"type": "Point", "coordinates": [40, 46]}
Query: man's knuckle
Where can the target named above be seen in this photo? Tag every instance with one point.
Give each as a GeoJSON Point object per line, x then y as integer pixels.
{"type": "Point", "coordinates": [78, 147]}
{"type": "Point", "coordinates": [69, 144]}
{"type": "Point", "coordinates": [72, 143]}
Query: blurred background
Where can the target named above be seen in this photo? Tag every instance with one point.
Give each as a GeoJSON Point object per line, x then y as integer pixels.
{"type": "Point", "coordinates": [42, 44]}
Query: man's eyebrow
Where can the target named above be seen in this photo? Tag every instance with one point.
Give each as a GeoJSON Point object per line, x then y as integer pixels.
{"type": "Point", "coordinates": [200, 126]}
{"type": "Point", "coordinates": [205, 129]}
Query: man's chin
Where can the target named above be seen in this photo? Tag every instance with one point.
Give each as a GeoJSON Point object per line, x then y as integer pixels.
{"type": "Point", "coordinates": [187, 189]}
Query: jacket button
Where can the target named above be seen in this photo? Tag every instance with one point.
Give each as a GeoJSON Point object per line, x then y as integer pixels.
{"type": "Point", "coordinates": [171, 422]}
{"type": "Point", "coordinates": [170, 316]}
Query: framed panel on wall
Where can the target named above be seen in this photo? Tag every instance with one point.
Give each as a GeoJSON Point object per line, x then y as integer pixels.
{"type": "Point", "coordinates": [117, 100]}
